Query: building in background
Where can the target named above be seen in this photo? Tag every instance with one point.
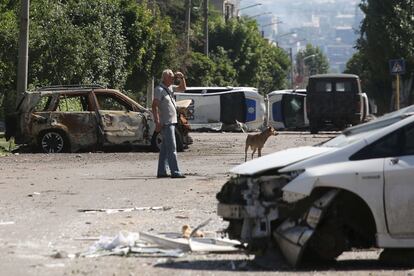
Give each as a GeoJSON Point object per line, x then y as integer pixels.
{"type": "Point", "coordinates": [228, 8]}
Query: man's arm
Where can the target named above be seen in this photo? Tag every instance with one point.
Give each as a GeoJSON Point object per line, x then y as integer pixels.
{"type": "Point", "coordinates": [182, 86]}
{"type": "Point", "coordinates": [156, 113]}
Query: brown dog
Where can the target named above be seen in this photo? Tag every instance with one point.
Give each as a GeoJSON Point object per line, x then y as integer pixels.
{"type": "Point", "coordinates": [257, 141]}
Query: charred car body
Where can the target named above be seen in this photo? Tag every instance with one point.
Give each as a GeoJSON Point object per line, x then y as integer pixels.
{"type": "Point", "coordinates": [72, 118]}
{"type": "Point", "coordinates": [313, 203]}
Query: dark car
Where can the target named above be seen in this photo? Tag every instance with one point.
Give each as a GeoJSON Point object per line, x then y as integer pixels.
{"type": "Point", "coordinates": [73, 118]}
{"type": "Point", "coordinates": [335, 99]}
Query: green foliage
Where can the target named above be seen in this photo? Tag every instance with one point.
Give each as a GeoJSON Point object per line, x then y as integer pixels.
{"type": "Point", "coordinates": [123, 43]}
{"type": "Point", "coordinates": [313, 60]}
{"type": "Point", "coordinates": [387, 32]}
{"type": "Point", "coordinates": [151, 45]}
{"type": "Point", "coordinates": [241, 57]}
{"type": "Point", "coordinates": [201, 70]}
{"type": "Point", "coordinates": [8, 54]}
{"type": "Point", "coordinates": [76, 42]}
{"type": "Point", "coordinates": [6, 147]}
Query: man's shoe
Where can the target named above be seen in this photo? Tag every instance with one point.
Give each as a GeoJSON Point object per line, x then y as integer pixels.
{"type": "Point", "coordinates": [177, 176]}
{"type": "Point", "coordinates": [162, 175]}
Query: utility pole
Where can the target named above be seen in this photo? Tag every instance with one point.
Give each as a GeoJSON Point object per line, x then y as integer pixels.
{"type": "Point", "coordinates": [23, 50]}
{"type": "Point", "coordinates": [206, 27]}
{"type": "Point", "coordinates": [292, 75]}
{"type": "Point", "coordinates": [151, 81]}
{"type": "Point", "coordinates": [188, 24]}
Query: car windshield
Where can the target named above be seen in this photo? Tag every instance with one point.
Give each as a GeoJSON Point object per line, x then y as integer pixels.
{"type": "Point", "coordinates": [383, 121]}
{"type": "Point", "coordinates": [356, 133]}
{"type": "Point", "coordinates": [344, 140]}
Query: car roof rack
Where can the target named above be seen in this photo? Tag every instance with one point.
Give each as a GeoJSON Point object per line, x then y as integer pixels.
{"type": "Point", "coordinates": [70, 87]}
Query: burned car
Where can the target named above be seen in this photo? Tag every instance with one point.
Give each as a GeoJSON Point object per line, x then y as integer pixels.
{"type": "Point", "coordinates": [72, 118]}
{"type": "Point", "coordinates": [313, 203]}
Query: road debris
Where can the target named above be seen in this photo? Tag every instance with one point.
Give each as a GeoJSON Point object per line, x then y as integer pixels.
{"type": "Point", "coordinates": [6, 222]}
{"type": "Point", "coordinates": [124, 210]}
{"type": "Point", "coordinates": [158, 245]}
{"type": "Point", "coordinates": [186, 231]}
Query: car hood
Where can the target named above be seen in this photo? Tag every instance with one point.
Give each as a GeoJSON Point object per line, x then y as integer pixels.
{"type": "Point", "coordinates": [278, 159]}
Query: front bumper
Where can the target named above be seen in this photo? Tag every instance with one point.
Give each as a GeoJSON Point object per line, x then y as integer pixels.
{"type": "Point", "coordinates": [258, 215]}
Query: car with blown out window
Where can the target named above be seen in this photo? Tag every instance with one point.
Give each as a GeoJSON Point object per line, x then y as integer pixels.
{"type": "Point", "coordinates": [313, 203]}
{"type": "Point", "coordinates": [72, 118]}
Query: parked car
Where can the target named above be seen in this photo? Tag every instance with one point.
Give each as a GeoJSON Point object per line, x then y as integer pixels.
{"type": "Point", "coordinates": [335, 99]}
{"type": "Point", "coordinates": [315, 202]}
{"type": "Point", "coordinates": [287, 109]}
{"type": "Point", "coordinates": [224, 105]}
{"type": "Point", "coordinates": [72, 118]}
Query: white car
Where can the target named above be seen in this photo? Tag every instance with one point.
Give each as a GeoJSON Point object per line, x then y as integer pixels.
{"type": "Point", "coordinates": [287, 109]}
{"type": "Point", "coordinates": [353, 191]}
{"type": "Point", "coordinates": [224, 105]}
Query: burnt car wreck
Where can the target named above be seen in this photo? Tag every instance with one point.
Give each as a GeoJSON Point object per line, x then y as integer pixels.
{"type": "Point", "coordinates": [74, 118]}
{"type": "Point", "coordinates": [313, 203]}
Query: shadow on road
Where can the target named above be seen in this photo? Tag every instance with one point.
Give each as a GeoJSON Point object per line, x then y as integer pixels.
{"type": "Point", "coordinates": [248, 265]}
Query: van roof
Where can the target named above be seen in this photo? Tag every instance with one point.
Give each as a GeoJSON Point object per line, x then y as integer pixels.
{"type": "Point", "coordinates": [320, 76]}
{"type": "Point", "coordinates": [215, 89]}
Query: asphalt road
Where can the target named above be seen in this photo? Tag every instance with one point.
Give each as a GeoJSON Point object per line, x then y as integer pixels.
{"type": "Point", "coordinates": [41, 195]}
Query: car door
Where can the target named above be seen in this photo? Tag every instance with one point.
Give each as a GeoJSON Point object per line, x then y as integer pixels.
{"type": "Point", "coordinates": [70, 113]}
{"type": "Point", "coordinates": [399, 186]}
{"type": "Point", "coordinates": [119, 123]}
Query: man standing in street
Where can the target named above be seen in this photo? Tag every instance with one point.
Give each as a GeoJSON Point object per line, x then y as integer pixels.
{"type": "Point", "coordinates": [165, 117]}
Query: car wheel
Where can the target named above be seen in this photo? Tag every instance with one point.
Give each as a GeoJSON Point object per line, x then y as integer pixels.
{"type": "Point", "coordinates": [327, 243]}
{"type": "Point", "coordinates": [179, 141]}
{"type": "Point", "coordinates": [157, 140]}
{"type": "Point", "coordinates": [53, 141]}
{"type": "Point", "coordinates": [313, 127]}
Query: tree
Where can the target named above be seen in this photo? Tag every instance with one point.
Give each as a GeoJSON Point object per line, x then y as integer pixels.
{"type": "Point", "coordinates": [387, 32]}
{"type": "Point", "coordinates": [312, 60]}
{"type": "Point", "coordinates": [118, 43]}
{"type": "Point", "coordinates": [243, 58]}
{"type": "Point", "coordinates": [8, 53]}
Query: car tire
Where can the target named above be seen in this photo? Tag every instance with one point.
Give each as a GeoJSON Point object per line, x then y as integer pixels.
{"type": "Point", "coordinates": [327, 243]}
{"type": "Point", "coordinates": [53, 141]}
{"type": "Point", "coordinates": [156, 141]}
{"type": "Point", "coordinates": [314, 129]}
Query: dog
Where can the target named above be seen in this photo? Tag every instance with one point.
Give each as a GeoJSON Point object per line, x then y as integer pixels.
{"type": "Point", "coordinates": [257, 141]}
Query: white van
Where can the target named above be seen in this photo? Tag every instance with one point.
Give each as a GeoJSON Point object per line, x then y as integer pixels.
{"type": "Point", "coordinates": [224, 105]}
{"type": "Point", "coordinates": [287, 109]}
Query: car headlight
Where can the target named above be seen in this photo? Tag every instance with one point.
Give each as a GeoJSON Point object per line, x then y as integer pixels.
{"type": "Point", "coordinates": [289, 196]}
{"type": "Point", "coordinates": [295, 174]}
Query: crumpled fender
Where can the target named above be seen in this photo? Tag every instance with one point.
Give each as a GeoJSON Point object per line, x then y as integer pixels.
{"type": "Point", "coordinates": [337, 175]}
{"type": "Point", "coordinates": [292, 236]}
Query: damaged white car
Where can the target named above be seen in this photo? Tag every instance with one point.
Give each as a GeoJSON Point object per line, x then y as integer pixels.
{"type": "Point", "coordinates": [313, 203]}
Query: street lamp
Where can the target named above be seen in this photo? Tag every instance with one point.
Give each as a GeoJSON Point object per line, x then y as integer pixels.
{"type": "Point", "coordinates": [304, 66]}
{"type": "Point", "coordinates": [248, 7]}
{"type": "Point", "coordinates": [260, 14]}
{"type": "Point", "coordinates": [270, 24]}
{"type": "Point", "coordinates": [292, 63]}
{"type": "Point", "coordinates": [282, 35]}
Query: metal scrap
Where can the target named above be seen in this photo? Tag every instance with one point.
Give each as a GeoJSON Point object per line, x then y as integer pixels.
{"type": "Point", "coordinates": [124, 210]}
{"type": "Point", "coordinates": [158, 245]}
